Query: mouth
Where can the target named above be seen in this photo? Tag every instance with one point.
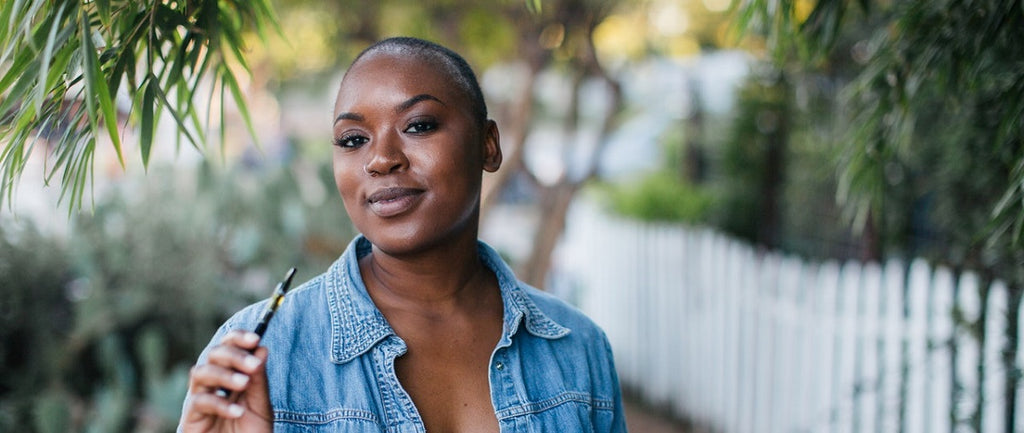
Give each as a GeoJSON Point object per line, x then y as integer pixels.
{"type": "Point", "coordinates": [388, 202]}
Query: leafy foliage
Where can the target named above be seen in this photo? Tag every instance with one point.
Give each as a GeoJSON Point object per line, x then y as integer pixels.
{"type": "Point", "coordinates": [99, 329]}
{"type": "Point", "coordinates": [64, 64]}
{"type": "Point", "coordinates": [660, 196]}
{"type": "Point", "coordinates": [935, 110]}
{"type": "Point", "coordinates": [752, 161]}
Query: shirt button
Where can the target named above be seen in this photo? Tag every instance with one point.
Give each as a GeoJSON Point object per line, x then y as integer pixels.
{"type": "Point", "coordinates": [499, 366]}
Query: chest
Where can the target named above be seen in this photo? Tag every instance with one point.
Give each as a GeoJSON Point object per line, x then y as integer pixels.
{"type": "Point", "coordinates": [446, 375]}
{"type": "Point", "coordinates": [527, 392]}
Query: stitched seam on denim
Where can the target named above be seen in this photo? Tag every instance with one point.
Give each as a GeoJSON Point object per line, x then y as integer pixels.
{"type": "Point", "coordinates": [324, 418]}
{"type": "Point", "coordinates": [536, 322]}
{"type": "Point", "coordinates": [568, 397]}
{"type": "Point", "coordinates": [334, 313]}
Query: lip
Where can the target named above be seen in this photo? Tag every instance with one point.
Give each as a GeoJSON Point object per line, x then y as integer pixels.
{"type": "Point", "coordinates": [389, 202]}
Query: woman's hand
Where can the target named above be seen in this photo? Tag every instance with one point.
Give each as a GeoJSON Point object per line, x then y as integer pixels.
{"type": "Point", "coordinates": [238, 365]}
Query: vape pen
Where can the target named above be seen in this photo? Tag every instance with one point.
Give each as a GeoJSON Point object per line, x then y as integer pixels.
{"type": "Point", "coordinates": [276, 298]}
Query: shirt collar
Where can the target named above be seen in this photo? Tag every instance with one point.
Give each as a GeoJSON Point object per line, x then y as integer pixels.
{"type": "Point", "coordinates": [357, 325]}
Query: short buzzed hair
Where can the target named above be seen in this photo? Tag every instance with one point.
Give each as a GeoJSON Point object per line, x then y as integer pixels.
{"type": "Point", "coordinates": [454, 65]}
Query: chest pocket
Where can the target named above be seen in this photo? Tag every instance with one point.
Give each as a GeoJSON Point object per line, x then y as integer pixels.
{"type": "Point", "coordinates": [567, 412]}
{"type": "Point", "coordinates": [340, 420]}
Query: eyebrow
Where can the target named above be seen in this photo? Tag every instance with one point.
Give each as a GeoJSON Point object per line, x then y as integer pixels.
{"type": "Point", "coordinates": [416, 100]}
{"type": "Point", "coordinates": [409, 103]}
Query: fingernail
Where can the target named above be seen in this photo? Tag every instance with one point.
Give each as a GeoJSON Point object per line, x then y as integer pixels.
{"type": "Point", "coordinates": [250, 338]}
{"type": "Point", "coordinates": [239, 379]}
{"type": "Point", "coordinates": [235, 410]}
{"type": "Point", "coordinates": [251, 362]}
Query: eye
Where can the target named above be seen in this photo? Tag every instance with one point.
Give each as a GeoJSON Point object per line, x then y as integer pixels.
{"type": "Point", "coordinates": [351, 141]}
{"type": "Point", "coordinates": [421, 126]}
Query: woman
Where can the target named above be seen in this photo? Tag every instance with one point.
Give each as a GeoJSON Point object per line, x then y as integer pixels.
{"type": "Point", "coordinates": [418, 326]}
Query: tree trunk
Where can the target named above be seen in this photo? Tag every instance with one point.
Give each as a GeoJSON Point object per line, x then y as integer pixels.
{"type": "Point", "coordinates": [555, 204]}
{"type": "Point", "coordinates": [513, 140]}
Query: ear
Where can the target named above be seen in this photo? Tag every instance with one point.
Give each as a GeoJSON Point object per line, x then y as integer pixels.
{"type": "Point", "coordinates": [492, 147]}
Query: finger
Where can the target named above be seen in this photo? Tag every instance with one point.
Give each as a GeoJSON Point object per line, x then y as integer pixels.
{"type": "Point", "coordinates": [207, 378]}
{"type": "Point", "coordinates": [257, 395]}
{"type": "Point", "coordinates": [234, 358]}
{"type": "Point", "coordinates": [211, 405]}
{"type": "Point", "coordinates": [242, 339]}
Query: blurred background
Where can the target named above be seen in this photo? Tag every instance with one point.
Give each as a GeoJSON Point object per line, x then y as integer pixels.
{"type": "Point", "coordinates": [788, 215]}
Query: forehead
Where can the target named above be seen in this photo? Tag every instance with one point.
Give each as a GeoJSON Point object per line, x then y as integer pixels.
{"type": "Point", "coordinates": [375, 76]}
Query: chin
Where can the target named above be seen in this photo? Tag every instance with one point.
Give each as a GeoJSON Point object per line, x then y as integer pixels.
{"type": "Point", "coordinates": [407, 241]}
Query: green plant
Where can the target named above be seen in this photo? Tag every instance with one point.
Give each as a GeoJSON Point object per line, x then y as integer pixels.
{"type": "Point", "coordinates": [63, 63]}
{"type": "Point", "coordinates": [98, 329]}
{"type": "Point", "coordinates": [659, 196]}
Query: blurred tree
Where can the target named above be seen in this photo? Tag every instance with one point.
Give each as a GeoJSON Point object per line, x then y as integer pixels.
{"type": "Point", "coordinates": [561, 36]}
{"type": "Point", "coordinates": [935, 109]}
{"type": "Point", "coordinates": [64, 63]}
{"type": "Point", "coordinates": [932, 161]}
{"type": "Point", "coordinates": [754, 160]}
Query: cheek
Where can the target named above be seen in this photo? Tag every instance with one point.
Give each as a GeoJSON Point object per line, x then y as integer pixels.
{"type": "Point", "coordinates": [344, 178]}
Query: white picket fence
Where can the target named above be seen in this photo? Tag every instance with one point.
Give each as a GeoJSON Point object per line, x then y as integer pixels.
{"type": "Point", "coordinates": [738, 340]}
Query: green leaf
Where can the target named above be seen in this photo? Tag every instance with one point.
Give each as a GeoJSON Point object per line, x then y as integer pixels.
{"type": "Point", "coordinates": [534, 6]}
{"type": "Point", "coordinates": [6, 13]}
{"type": "Point", "coordinates": [236, 44]}
{"type": "Point", "coordinates": [26, 60]}
{"type": "Point", "coordinates": [47, 57]}
{"type": "Point", "coordinates": [88, 68]}
{"type": "Point", "coordinates": [146, 127]}
{"type": "Point", "coordinates": [97, 86]}
{"type": "Point", "coordinates": [228, 78]}
{"type": "Point", "coordinates": [263, 9]}
{"type": "Point", "coordinates": [182, 129]}
{"type": "Point", "coordinates": [103, 8]}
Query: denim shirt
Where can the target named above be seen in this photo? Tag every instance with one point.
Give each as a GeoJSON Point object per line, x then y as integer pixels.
{"type": "Point", "coordinates": [332, 359]}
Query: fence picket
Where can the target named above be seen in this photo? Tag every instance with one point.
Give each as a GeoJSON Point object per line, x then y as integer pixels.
{"type": "Point", "coordinates": [968, 355]}
{"type": "Point", "coordinates": [993, 380]}
{"type": "Point", "coordinates": [788, 359]}
{"type": "Point", "coordinates": [824, 416]}
{"type": "Point", "coordinates": [846, 348]}
{"type": "Point", "coordinates": [890, 401]}
{"type": "Point", "coordinates": [741, 340]}
{"type": "Point", "coordinates": [871, 328]}
{"type": "Point", "coordinates": [916, 363]}
{"type": "Point", "coordinates": [940, 357]}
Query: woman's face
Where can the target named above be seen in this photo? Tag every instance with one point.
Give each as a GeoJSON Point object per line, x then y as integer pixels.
{"type": "Point", "coordinates": [408, 154]}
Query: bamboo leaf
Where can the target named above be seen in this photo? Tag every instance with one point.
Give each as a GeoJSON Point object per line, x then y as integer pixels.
{"type": "Point", "coordinates": [109, 116]}
{"type": "Point", "coordinates": [228, 78]}
{"type": "Point", "coordinates": [25, 61]}
{"type": "Point", "coordinates": [534, 6]}
{"type": "Point", "coordinates": [264, 9]}
{"type": "Point", "coordinates": [182, 129]}
{"type": "Point", "coordinates": [6, 12]}
{"type": "Point", "coordinates": [147, 125]}
{"type": "Point", "coordinates": [47, 57]}
{"type": "Point", "coordinates": [97, 85]}
{"type": "Point", "coordinates": [88, 58]}
{"type": "Point", "coordinates": [236, 44]}
{"type": "Point", "coordinates": [17, 93]}
{"type": "Point", "coordinates": [30, 13]}
{"type": "Point", "coordinates": [59, 65]}
{"type": "Point", "coordinates": [103, 8]}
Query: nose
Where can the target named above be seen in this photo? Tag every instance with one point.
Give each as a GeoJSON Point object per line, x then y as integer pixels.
{"type": "Point", "coordinates": [386, 156]}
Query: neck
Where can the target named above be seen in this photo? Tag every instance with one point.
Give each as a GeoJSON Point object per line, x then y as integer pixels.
{"type": "Point", "coordinates": [438, 280]}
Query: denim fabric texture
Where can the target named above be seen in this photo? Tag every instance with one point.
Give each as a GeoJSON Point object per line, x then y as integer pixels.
{"type": "Point", "coordinates": [332, 359]}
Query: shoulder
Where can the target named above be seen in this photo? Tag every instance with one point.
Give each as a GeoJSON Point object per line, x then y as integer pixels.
{"type": "Point", "coordinates": [300, 306]}
{"type": "Point", "coordinates": [295, 302]}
